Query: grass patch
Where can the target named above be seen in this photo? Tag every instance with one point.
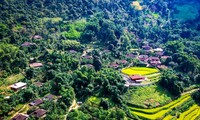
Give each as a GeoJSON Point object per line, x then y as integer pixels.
{"type": "Point", "coordinates": [95, 100]}
{"type": "Point", "coordinates": [152, 95]}
{"type": "Point", "coordinates": [139, 71]}
{"type": "Point", "coordinates": [4, 87]}
{"type": "Point", "coordinates": [74, 30]}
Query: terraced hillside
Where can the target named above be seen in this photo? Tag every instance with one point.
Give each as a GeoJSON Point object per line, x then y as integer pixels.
{"type": "Point", "coordinates": [165, 112]}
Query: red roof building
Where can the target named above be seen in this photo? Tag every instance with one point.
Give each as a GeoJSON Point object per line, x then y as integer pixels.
{"type": "Point", "coordinates": [35, 65]}
{"type": "Point", "coordinates": [143, 58]}
{"type": "Point", "coordinates": [20, 117]}
{"type": "Point", "coordinates": [137, 78]}
{"type": "Point", "coordinates": [122, 62]}
{"type": "Point", "coordinates": [114, 65]}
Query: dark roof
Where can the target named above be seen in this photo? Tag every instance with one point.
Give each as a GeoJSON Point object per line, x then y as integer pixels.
{"type": "Point", "coordinates": [39, 113]}
{"type": "Point", "coordinates": [49, 97]}
{"type": "Point", "coordinates": [73, 51]}
{"type": "Point", "coordinates": [146, 47]}
{"type": "Point", "coordinates": [36, 102]}
{"type": "Point", "coordinates": [27, 44]}
{"type": "Point", "coordinates": [39, 84]}
{"type": "Point", "coordinates": [87, 57]}
{"type": "Point", "coordinates": [131, 55]}
{"type": "Point", "coordinates": [20, 117]}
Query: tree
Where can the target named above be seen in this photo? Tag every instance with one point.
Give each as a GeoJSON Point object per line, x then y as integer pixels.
{"type": "Point", "coordinates": [27, 95]}
{"type": "Point", "coordinates": [29, 73]}
{"type": "Point", "coordinates": [196, 96]}
{"type": "Point", "coordinates": [67, 94]}
{"type": "Point", "coordinates": [97, 63]}
{"type": "Point", "coordinates": [174, 47]}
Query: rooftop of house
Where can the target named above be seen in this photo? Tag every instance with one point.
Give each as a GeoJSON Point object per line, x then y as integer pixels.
{"type": "Point", "coordinates": [39, 113]}
{"type": "Point", "coordinates": [114, 65]}
{"type": "Point", "coordinates": [20, 117]}
{"type": "Point", "coordinates": [122, 61]}
{"type": "Point", "coordinates": [37, 64]}
{"type": "Point", "coordinates": [158, 50]}
{"type": "Point", "coordinates": [18, 85]}
{"type": "Point", "coordinates": [48, 97]}
{"type": "Point", "coordinates": [146, 47]}
{"type": "Point", "coordinates": [87, 57]}
{"type": "Point", "coordinates": [161, 66]}
{"type": "Point", "coordinates": [27, 44]}
{"type": "Point", "coordinates": [143, 57]}
{"type": "Point", "coordinates": [37, 37]}
{"type": "Point", "coordinates": [159, 53]}
{"type": "Point", "coordinates": [165, 57]}
{"type": "Point", "coordinates": [36, 102]}
{"type": "Point", "coordinates": [39, 84]}
{"type": "Point", "coordinates": [137, 77]}
{"type": "Point", "coordinates": [73, 51]}
{"type": "Point", "coordinates": [89, 65]}
{"type": "Point", "coordinates": [154, 59]}
{"type": "Point", "coordinates": [131, 55]}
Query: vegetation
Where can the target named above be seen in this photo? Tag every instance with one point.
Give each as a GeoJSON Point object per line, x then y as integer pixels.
{"type": "Point", "coordinates": [81, 51]}
{"type": "Point", "coordinates": [148, 96]}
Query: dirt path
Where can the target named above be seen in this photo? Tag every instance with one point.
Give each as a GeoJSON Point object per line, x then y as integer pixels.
{"type": "Point", "coordinates": [73, 106]}
{"type": "Point", "coordinates": [19, 111]}
{"type": "Point", "coordinates": [190, 91]}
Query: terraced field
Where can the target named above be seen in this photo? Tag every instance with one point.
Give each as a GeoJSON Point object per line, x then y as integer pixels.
{"type": "Point", "coordinates": [191, 114]}
{"type": "Point", "coordinates": [160, 112]}
{"type": "Point", "coordinates": [139, 71]}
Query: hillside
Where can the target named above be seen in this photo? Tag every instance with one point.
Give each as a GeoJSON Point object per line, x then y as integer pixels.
{"type": "Point", "coordinates": [99, 59]}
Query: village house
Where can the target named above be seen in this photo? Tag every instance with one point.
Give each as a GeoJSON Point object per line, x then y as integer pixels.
{"type": "Point", "coordinates": [18, 86]}
{"type": "Point", "coordinates": [27, 44]}
{"type": "Point", "coordinates": [36, 65]}
{"type": "Point", "coordinates": [161, 67]}
{"type": "Point", "coordinates": [154, 61]}
{"type": "Point", "coordinates": [158, 50]}
{"type": "Point", "coordinates": [36, 102]}
{"type": "Point", "coordinates": [37, 37]}
{"type": "Point", "coordinates": [114, 65]}
{"type": "Point", "coordinates": [143, 58]}
{"type": "Point", "coordinates": [20, 117]}
{"type": "Point", "coordinates": [49, 97]}
{"type": "Point", "coordinates": [87, 57]}
{"type": "Point", "coordinates": [122, 62]}
{"type": "Point", "coordinates": [131, 55]}
{"type": "Point", "coordinates": [137, 78]}
{"type": "Point", "coordinates": [164, 57]}
{"type": "Point", "coordinates": [38, 84]}
{"type": "Point", "coordinates": [73, 51]}
{"type": "Point", "coordinates": [146, 48]}
{"type": "Point", "coordinates": [39, 113]}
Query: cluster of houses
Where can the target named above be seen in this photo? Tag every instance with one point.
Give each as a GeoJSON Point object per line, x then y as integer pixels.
{"type": "Point", "coordinates": [38, 113]}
